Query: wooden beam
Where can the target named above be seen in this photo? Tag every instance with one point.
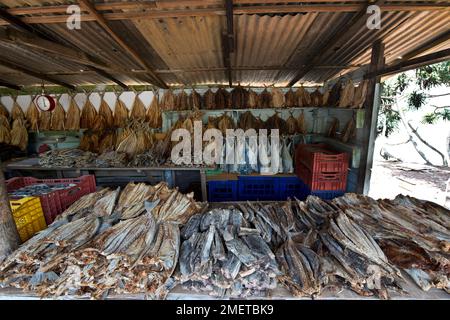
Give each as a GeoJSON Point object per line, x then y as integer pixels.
{"type": "Point", "coordinates": [371, 107]}
{"type": "Point", "coordinates": [425, 47]}
{"type": "Point", "coordinates": [344, 29]}
{"type": "Point", "coordinates": [6, 84]}
{"type": "Point", "coordinates": [36, 42]}
{"type": "Point", "coordinates": [415, 63]}
{"type": "Point", "coordinates": [105, 25]}
{"type": "Point", "coordinates": [108, 76]}
{"type": "Point", "coordinates": [226, 58]}
{"type": "Point", "coordinates": [35, 74]}
{"type": "Point", "coordinates": [41, 42]}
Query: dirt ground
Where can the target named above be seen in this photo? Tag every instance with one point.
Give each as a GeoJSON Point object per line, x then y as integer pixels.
{"type": "Point", "coordinates": [390, 178]}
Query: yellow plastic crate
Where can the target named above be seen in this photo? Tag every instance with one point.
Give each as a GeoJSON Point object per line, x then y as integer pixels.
{"type": "Point", "coordinates": [29, 216]}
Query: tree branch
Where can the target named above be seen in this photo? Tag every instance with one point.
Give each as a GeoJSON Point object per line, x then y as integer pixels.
{"type": "Point", "coordinates": [444, 161]}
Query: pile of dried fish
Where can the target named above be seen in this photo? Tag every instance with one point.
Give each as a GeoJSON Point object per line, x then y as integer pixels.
{"type": "Point", "coordinates": [97, 248]}
{"type": "Point", "coordinates": [223, 253]}
{"type": "Point", "coordinates": [111, 159]}
{"type": "Point", "coordinates": [414, 234]}
{"type": "Point", "coordinates": [66, 158]}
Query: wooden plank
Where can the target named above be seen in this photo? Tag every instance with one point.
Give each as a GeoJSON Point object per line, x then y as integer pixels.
{"type": "Point", "coordinates": [228, 40]}
{"type": "Point", "coordinates": [9, 85]}
{"type": "Point", "coordinates": [9, 237]}
{"type": "Point", "coordinates": [415, 63]}
{"type": "Point", "coordinates": [371, 107]}
{"type": "Point", "coordinates": [36, 74]}
{"type": "Point", "coordinates": [105, 25]}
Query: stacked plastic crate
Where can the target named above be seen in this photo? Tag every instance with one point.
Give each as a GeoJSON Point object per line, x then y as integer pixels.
{"type": "Point", "coordinates": [323, 171]}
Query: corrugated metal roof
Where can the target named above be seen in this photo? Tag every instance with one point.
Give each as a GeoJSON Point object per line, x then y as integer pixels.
{"type": "Point", "coordinates": [269, 50]}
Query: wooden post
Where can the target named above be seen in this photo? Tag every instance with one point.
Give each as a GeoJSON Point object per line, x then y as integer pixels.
{"type": "Point", "coordinates": [9, 238]}
{"type": "Point", "coordinates": [371, 105]}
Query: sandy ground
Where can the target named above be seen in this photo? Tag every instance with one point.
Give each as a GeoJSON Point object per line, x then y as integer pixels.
{"type": "Point", "coordinates": [390, 178]}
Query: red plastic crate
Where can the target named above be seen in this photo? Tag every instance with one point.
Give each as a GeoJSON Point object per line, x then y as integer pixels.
{"type": "Point", "coordinates": [318, 158]}
{"type": "Point", "coordinates": [319, 181]}
{"type": "Point", "coordinates": [56, 202]}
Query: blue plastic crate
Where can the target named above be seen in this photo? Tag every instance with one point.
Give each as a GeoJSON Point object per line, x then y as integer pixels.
{"type": "Point", "coordinates": [325, 195]}
{"type": "Point", "coordinates": [223, 190]}
{"type": "Point", "coordinates": [291, 187]}
{"type": "Point", "coordinates": [262, 188]}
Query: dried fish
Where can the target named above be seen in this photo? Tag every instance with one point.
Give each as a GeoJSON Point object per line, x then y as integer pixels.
{"type": "Point", "coordinates": [17, 112]}
{"type": "Point", "coordinates": [120, 114]}
{"type": "Point", "coordinates": [277, 98]}
{"type": "Point", "coordinates": [88, 114]}
{"type": "Point", "coordinates": [154, 116]}
{"type": "Point", "coordinates": [32, 117]}
{"type": "Point", "coordinates": [73, 116]}
{"type": "Point", "coordinates": [138, 110]}
{"type": "Point", "coordinates": [3, 111]}
{"type": "Point", "coordinates": [168, 101]}
{"type": "Point", "coordinates": [19, 134]}
{"type": "Point", "coordinates": [106, 113]}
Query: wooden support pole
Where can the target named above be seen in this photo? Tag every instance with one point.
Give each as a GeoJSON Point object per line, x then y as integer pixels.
{"type": "Point", "coordinates": [9, 238]}
{"type": "Point", "coordinates": [371, 106]}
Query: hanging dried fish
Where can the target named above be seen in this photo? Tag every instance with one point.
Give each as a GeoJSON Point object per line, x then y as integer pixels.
{"type": "Point", "coordinates": [325, 97]}
{"type": "Point", "coordinates": [225, 122]}
{"type": "Point", "coordinates": [129, 144]}
{"type": "Point", "coordinates": [292, 125]}
{"type": "Point", "coordinates": [210, 100]}
{"type": "Point", "coordinates": [347, 95]}
{"type": "Point", "coordinates": [291, 99]}
{"type": "Point", "coordinates": [182, 101]}
{"type": "Point", "coordinates": [4, 111]}
{"type": "Point", "coordinates": [58, 118]}
{"type": "Point", "coordinates": [87, 115]}
{"type": "Point", "coordinates": [45, 118]}
{"type": "Point", "coordinates": [252, 99]}
{"type": "Point", "coordinates": [335, 94]}
{"type": "Point", "coordinates": [222, 98]}
{"type": "Point", "coordinates": [168, 101]}
{"type": "Point", "coordinates": [195, 100]}
{"type": "Point", "coordinates": [17, 112]}
{"type": "Point", "coordinates": [303, 97]}
{"type": "Point", "coordinates": [239, 97]}
{"type": "Point", "coordinates": [120, 114]}
{"type": "Point", "coordinates": [19, 134]}
{"type": "Point", "coordinates": [248, 121]}
{"type": "Point", "coordinates": [265, 99]}
{"type": "Point", "coordinates": [277, 98]}
{"type": "Point", "coordinates": [99, 123]}
{"type": "Point", "coordinates": [360, 95]}
{"type": "Point", "coordinates": [107, 141]}
{"type": "Point", "coordinates": [33, 117]}
{"type": "Point", "coordinates": [73, 116]}
{"type": "Point", "coordinates": [302, 126]}
{"type": "Point", "coordinates": [316, 98]}
{"type": "Point", "coordinates": [275, 122]}
{"type": "Point", "coordinates": [106, 112]}
{"type": "Point", "coordinates": [154, 115]}
{"type": "Point", "coordinates": [333, 128]}
{"type": "Point", "coordinates": [349, 131]}
{"type": "Point", "coordinates": [5, 135]}
{"type": "Point", "coordinates": [138, 110]}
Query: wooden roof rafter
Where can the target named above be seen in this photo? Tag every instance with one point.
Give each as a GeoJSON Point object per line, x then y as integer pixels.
{"type": "Point", "coordinates": [131, 51]}
{"type": "Point", "coordinates": [36, 74]}
{"type": "Point", "coordinates": [30, 37]}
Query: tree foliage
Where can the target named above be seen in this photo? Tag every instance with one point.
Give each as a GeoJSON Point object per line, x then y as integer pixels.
{"type": "Point", "coordinates": [425, 79]}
